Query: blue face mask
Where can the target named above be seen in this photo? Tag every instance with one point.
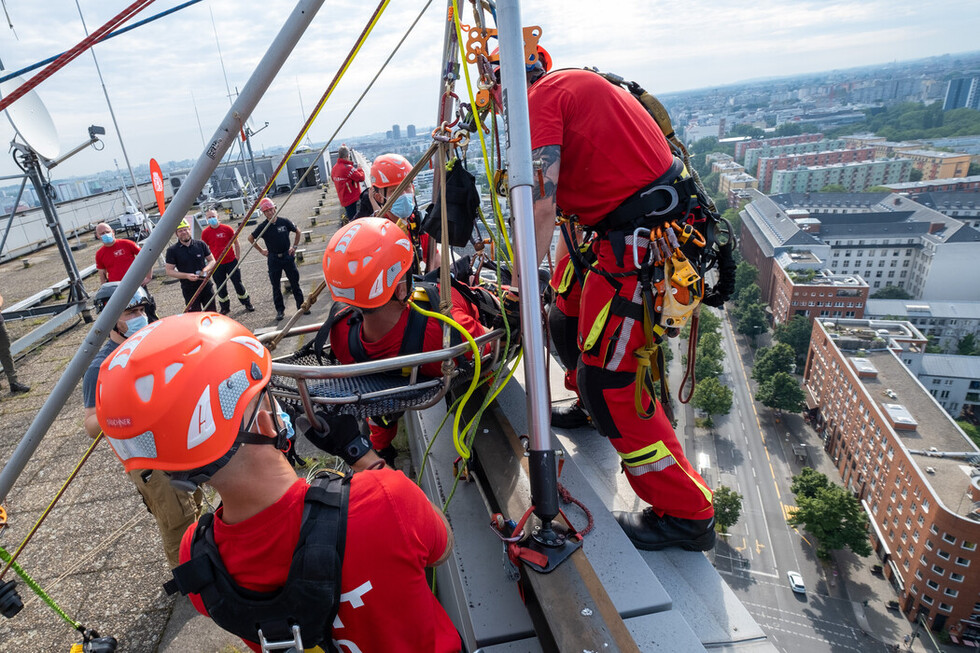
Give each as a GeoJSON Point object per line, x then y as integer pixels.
{"type": "Point", "coordinates": [213, 222]}
{"type": "Point", "coordinates": [403, 207]}
{"type": "Point", "coordinates": [107, 238]}
{"type": "Point", "coordinates": [134, 324]}
{"type": "Point", "coordinates": [286, 423]}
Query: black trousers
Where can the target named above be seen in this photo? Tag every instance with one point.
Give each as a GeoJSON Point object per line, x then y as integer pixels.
{"type": "Point", "coordinates": [204, 301]}
{"type": "Point", "coordinates": [279, 263]}
{"type": "Point", "coordinates": [221, 276]}
{"type": "Point", "coordinates": [5, 358]}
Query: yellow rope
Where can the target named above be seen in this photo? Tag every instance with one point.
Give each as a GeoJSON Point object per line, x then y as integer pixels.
{"type": "Point", "coordinates": [461, 447]}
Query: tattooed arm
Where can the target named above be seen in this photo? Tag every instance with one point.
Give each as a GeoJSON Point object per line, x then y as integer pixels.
{"type": "Point", "coordinates": [545, 188]}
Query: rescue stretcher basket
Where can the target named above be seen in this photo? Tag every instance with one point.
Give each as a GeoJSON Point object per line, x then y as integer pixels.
{"type": "Point", "coordinates": [374, 387]}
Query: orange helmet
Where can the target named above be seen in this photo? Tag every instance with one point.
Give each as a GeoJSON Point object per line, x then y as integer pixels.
{"type": "Point", "coordinates": [542, 54]}
{"type": "Point", "coordinates": [388, 170]}
{"type": "Point", "coordinates": [173, 396]}
{"type": "Point", "coordinates": [364, 260]}
{"type": "Point", "coordinates": [265, 204]}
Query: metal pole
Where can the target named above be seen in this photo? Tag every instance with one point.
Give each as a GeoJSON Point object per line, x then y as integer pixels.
{"type": "Point", "coordinates": [543, 465]}
{"type": "Point", "coordinates": [13, 212]}
{"type": "Point", "coordinates": [222, 139]}
{"type": "Point", "coordinates": [76, 291]}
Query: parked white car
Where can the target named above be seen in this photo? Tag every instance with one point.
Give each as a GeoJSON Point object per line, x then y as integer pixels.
{"type": "Point", "coordinates": [796, 582]}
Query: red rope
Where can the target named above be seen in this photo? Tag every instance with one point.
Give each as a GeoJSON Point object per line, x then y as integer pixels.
{"type": "Point", "coordinates": [567, 497]}
{"type": "Point", "coordinates": [72, 54]}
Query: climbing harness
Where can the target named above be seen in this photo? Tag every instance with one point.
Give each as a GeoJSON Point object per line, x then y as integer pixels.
{"type": "Point", "coordinates": [304, 608]}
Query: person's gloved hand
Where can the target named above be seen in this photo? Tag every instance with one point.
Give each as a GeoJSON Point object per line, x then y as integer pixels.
{"type": "Point", "coordinates": [338, 435]}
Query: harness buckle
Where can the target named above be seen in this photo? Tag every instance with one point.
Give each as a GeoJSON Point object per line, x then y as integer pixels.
{"type": "Point", "coordinates": [674, 199]}
{"type": "Point", "coordinates": [294, 644]}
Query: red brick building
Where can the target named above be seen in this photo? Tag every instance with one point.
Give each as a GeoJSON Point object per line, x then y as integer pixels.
{"type": "Point", "coordinates": [915, 472]}
{"type": "Point", "coordinates": [800, 288]}
{"type": "Point", "coordinates": [742, 146]}
{"type": "Point", "coordinates": [768, 165]}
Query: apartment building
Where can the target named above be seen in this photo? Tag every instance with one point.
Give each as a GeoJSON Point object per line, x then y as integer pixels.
{"type": "Point", "coordinates": [744, 146]}
{"type": "Point", "coordinates": [945, 323]}
{"type": "Point", "coordinates": [969, 184]}
{"type": "Point", "coordinates": [937, 165]}
{"type": "Point", "coordinates": [770, 163]}
{"type": "Point", "coordinates": [916, 473]}
{"type": "Point", "coordinates": [801, 286]}
{"type": "Point", "coordinates": [752, 156]}
{"type": "Point", "coordinates": [855, 177]}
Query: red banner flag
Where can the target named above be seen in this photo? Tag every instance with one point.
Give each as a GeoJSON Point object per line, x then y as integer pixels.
{"type": "Point", "coordinates": [157, 178]}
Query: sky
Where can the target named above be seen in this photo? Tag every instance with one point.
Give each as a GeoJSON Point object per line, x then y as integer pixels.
{"type": "Point", "coordinates": [165, 78]}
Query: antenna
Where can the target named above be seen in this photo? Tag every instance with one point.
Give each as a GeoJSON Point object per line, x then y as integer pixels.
{"type": "Point", "coordinates": [31, 121]}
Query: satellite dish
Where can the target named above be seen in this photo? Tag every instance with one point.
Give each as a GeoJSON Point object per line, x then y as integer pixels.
{"type": "Point", "coordinates": [31, 120]}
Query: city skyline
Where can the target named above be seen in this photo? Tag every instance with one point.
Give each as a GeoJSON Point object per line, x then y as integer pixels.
{"type": "Point", "coordinates": [164, 76]}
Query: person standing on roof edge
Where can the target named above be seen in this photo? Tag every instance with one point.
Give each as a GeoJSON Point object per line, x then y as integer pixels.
{"type": "Point", "coordinates": [281, 254]}
{"type": "Point", "coordinates": [217, 236]}
{"type": "Point", "coordinates": [7, 360]}
{"type": "Point", "coordinates": [341, 559]}
{"type": "Point", "coordinates": [347, 178]}
{"type": "Point", "coordinates": [597, 147]}
{"type": "Point", "coordinates": [114, 258]}
{"type": "Point", "coordinates": [190, 261]}
{"type": "Point", "coordinates": [368, 270]}
{"type": "Point", "coordinates": [387, 172]}
{"type": "Point", "coordinates": [174, 510]}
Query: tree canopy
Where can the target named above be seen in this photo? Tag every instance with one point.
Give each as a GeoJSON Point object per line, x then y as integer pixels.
{"type": "Point", "coordinates": [781, 392]}
{"type": "Point", "coordinates": [891, 292]}
{"type": "Point", "coordinates": [752, 320]}
{"type": "Point", "coordinates": [745, 274]}
{"type": "Point", "coordinates": [728, 507]}
{"type": "Point", "coordinates": [833, 188]}
{"type": "Point", "coordinates": [769, 360]}
{"type": "Point", "coordinates": [795, 333]}
{"type": "Point", "coordinates": [968, 346]}
{"type": "Point", "coordinates": [835, 517]}
{"type": "Point", "coordinates": [750, 294]}
{"type": "Point", "coordinates": [808, 482]}
{"type": "Point", "coordinates": [712, 397]}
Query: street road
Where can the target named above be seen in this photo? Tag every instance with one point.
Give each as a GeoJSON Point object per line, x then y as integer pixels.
{"type": "Point", "coordinates": [753, 455]}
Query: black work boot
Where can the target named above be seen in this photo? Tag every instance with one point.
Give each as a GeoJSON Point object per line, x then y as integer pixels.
{"type": "Point", "coordinates": [280, 315]}
{"type": "Point", "coordinates": [225, 308]}
{"type": "Point", "coordinates": [248, 306]}
{"type": "Point", "coordinates": [570, 416]}
{"type": "Point", "coordinates": [17, 388]}
{"type": "Point", "coordinates": [649, 532]}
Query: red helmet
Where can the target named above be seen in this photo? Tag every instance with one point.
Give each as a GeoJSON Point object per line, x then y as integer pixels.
{"type": "Point", "coordinates": [265, 204]}
{"type": "Point", "coordinates": [388, 170]}
{"type": "Point", "coordinates": [364, 260]}
{"type": "Point", "coordinates": [173, 396]}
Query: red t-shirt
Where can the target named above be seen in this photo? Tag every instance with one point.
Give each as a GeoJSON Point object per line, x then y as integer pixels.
{"type": "Point", "coordinates": [346, 179]}
{"type": "Point", "coordinates": [390, 344]}
{"type": "Point", "coordinates": [217, 238]}
{"type": "Point", "coordinates": [393, 532]}
{"type": "Point", "coordinates": [610, 146]}
{"type": "Point", "coordinates": [116, 258]}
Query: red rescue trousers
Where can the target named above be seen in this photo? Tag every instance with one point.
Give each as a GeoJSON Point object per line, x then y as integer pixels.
{"type": "Point", "coordinates": [609, 334]}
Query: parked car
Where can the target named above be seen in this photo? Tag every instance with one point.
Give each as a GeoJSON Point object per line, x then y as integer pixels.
{"type": "Point", "coordinates": [796, 582]}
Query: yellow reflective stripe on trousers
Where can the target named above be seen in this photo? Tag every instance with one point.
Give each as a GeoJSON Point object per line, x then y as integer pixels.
{"type": "Point", "coordinates": [597, 327]}
{"type": "Point", "coordinates": [648, 454]}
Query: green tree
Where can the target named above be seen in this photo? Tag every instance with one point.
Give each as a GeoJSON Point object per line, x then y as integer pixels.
{"type": "Point", "coordinates": [750, 294]}
{"type": "Point", "coordinates": [835, 518]}
{"type": "Point", "coordinates": [734, 219]}
{"type": "Point", "coordinates": [967, 346]}
{"type": "Point", "coordinates": [789, 129]}
{"type": "Point", "coordinates": [781, 392]}
{"type": "Point", "coordinates": [752, 320]}
{"type": "Point", "coordinates": [710, 182]}
{"type": "Point", "coordinates": [796, 333]}
{"type": "Point", "coordinates": [728, 507]}
{"type": "Point", "coordinates": [745, 274]}
{"type": "Point", "coordinates": [769, 360]}
{"type": "Point", "coordinates": [709, 356]}
{"type": "Point", "coordinates": [973, 170]}
{"type": "Point", "coordinates": [915, 174]}
{"type": "Point", "coordinates": [833, 188]}
{"type": "Point", "coordinates": [891, 292]}
{"type": "Point", "coordinates": [877, 189]}
{"type": "Point", "coordinates": [712, 397]}
{"type": "Point", "coordinates": [708, 322]}
{"type": "Point", "coordinates": [808, 482]}
{"type": "Point", "coordinates": [931, 346]}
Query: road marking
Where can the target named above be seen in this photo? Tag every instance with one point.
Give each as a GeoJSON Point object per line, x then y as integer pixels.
{"type": "Point", "coordinates": [753, 473]}
{"type": "Point", "coordinates": [775, 484]}
{"type": "Point", "coordinates": [754, 572]}
{"type": "Point", "coordinates": [765, 520]}
{"type": "Point", "coordinates": [741, 548]}
{"type": "Point", "coordinates": [788, 510]}
{"type": "Point", "coordinates": [759, 546]}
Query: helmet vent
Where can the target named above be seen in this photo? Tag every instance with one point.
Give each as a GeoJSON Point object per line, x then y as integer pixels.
{"type": "Point", "coordinates": [230, 391]}
{"type": "Point", "coordinates": [256, 372]}
{"type": "Point", "coordinates": [202, 426]}
{"type": "Point", "coordinates": [352, 267]}
{"type": "Point", "coordinates": [252, 344]}
{"type": "Point", "coordinates": [171, 371]}
{"type": "Point", "coordinates": [393, 272]}
{"type": "Point", "coordinates": [206, 322]}
{"type": "Point", "coordinates": [144, 387]}
{"type": "Point", "coordinates": [194, 351]}
{"type": "Point", "coordinates": [142, 446]}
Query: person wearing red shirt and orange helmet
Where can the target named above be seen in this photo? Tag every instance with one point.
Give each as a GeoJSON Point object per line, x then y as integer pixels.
{"type": "Point", "coordinates": [336, 563]}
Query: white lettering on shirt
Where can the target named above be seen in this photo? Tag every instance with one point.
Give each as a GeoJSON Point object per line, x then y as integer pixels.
{"type": "Point", "coordinates": [354, 598]}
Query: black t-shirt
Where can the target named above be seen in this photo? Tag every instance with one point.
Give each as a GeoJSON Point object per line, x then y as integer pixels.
{"type": "Point", "coordinates": [188, 258]}
{"type": "Point", "coordinates": [92, 373]}
{"type": "Point", "coordinates": [276, 237]}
